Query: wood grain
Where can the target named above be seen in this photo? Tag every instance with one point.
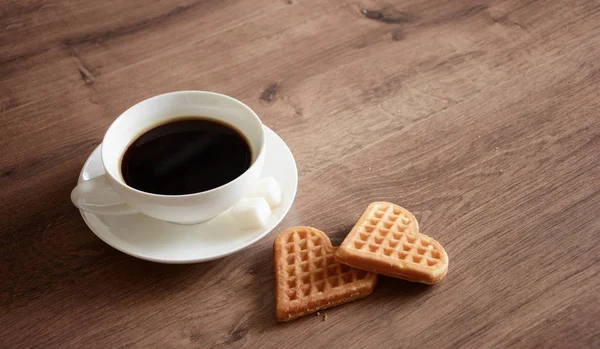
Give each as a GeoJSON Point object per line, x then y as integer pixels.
{"type": "Point", "coordinates": [478, 116]}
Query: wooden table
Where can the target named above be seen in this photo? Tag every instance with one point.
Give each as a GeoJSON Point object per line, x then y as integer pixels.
{"type": "Point", "coordinates": [481, 117]}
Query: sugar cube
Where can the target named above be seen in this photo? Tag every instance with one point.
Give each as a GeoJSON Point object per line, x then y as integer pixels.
{"type": "Point", "coordinates": [268, 189]}
{"type": "Point", "coordinates": [251, 212]}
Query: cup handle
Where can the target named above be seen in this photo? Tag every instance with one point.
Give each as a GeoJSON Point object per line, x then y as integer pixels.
{"type": "Point", "coordinates": [88, 197]}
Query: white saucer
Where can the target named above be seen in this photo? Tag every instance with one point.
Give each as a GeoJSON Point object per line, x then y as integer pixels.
{"type": "Point", "coordinates": [158, 241]}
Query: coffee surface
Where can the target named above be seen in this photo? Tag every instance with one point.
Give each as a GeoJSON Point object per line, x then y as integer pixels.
{"type": "Point", "coordinates": [185, 156]}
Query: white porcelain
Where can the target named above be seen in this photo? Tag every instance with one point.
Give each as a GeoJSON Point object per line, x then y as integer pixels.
{"type": "Point", "coordinates": [160, 241]}
{"type": "Point", "coordinates": [109, 195]}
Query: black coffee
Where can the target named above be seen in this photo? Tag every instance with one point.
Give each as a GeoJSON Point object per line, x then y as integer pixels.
{"type": "Point", "coordinates": [185, 156]}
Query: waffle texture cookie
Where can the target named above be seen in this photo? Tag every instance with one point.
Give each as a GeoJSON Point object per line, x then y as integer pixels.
{"type": "Point", "coordinates": [307, 277]}
{"type": "Point", "coordinates": [386, 240]}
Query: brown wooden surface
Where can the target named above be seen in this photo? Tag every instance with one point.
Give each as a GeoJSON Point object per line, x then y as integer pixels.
{"type": "Point", "coordinates": [481, 117]}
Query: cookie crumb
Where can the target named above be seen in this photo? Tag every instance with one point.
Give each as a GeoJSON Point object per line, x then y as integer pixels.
{"type": "Point", "coordinates": [318, 313]}
{"type": "Point", "coordinates": [325, 317]}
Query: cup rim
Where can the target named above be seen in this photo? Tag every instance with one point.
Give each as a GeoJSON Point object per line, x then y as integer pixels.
{"type": "Point", "coordinates": [251, 112]}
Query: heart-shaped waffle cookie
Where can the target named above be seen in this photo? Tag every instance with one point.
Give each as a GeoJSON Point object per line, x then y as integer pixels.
{"type": "Point", "coordinates": [307, 277]}
{"type": "Point", "coordinates": [386, 240]}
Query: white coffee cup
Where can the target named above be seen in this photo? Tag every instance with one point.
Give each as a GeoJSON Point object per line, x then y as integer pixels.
{"type": "Point", "coordinates": [108, 194]}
